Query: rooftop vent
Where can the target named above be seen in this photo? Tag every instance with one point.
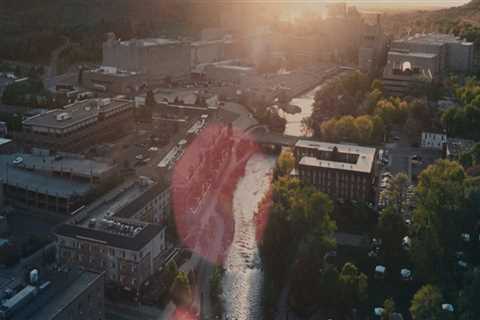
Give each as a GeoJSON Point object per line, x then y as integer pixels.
{"type": "Point", "coordinates": [63, 116]}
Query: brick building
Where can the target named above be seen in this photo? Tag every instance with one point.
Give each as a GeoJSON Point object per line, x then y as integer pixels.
{"type": "Point", "coordinates": [345, 172]}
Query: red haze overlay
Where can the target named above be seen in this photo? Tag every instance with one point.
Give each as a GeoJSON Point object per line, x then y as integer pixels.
{"type": "Point", "coordinates": [203, 184]}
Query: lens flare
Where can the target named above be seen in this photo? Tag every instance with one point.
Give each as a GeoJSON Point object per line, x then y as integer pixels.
{"type": "Point", "coordinates": [203, 183]}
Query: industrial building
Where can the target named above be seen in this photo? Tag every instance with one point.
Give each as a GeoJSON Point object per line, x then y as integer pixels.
{"type": "Point", "coordinates": [345, 172]}
{"type": "Point", "coordinates": [71, 294]}
{"type": "Point", "coordinates": [159, 59]}
{"type": "Point", "coordinates": [125, 237]}
{"type": "Point", "coordinates": [425, 57]}
{"type": "Point", "coordinates": [78, 125]}
{"type": "Point", "coordinates": [113, 81]}
{"type": "Point", "coordinates": [51, 183]}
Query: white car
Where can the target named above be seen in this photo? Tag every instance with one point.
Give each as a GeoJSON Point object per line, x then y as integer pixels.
{"type": "Point", "coordinates": [139, 157]}
{"type": "Point", "coordinates": [17, 160]}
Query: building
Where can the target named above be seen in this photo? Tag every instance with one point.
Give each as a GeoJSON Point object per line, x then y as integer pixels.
{"type": "Point", "coordinates": [159, 59]}
{"type": "Point", "coordinates": [65, 294]}
{"type": "Point", "coordinates": [433, 140]}
{"type": "Point", "coordinates": [207, 51]}
{"type": "Point", "coordinates": [228, 71]}
{"type": "Point", "coordinates": [78, 126]}
{"type": "Point", "coordinates": [113, 81]}
{"type": "Point", "coordinates": [456, 147]}
{"type": "Point", "coordinates": [6, 146]}
{"type": "Point", "coordinates": [125, 237]}
{"type": "Point", "coordinates": [371, 54]}
{"type": "Point", "coordinates": [57, 184]}
{"type": "Point", "coordinates": [345, 172]}
{"type": "Point", "coordinates": [425, 57]}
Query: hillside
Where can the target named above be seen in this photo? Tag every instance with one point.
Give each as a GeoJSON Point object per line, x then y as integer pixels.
{"type": "Point", "coordinates": [456, 19]}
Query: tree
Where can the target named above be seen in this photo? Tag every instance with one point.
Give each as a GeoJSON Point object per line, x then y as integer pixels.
{"type": "Point", "coordinates": [299, 232]}
{"type": "Point", "coordinates": [438, 217]}
{"type": "Point", "coordinates": [392, 229]}
{"type": "Point", "coordinates": [330, 287]}
{"type": "Point", "coordinates": [285, 163]}
{"type": "Point", "coordinates": [388, 309]}
{"type": "Point", "coordinates": [426, 303]}
{"type": "Point", "coordinates": [396, 193]}
{"type": "Point", "coordinates": [171, 271]}
{"type": "Point", "coordinates": [364, 128]}
{"type": "Point", "coordinates": [469, 297]}
{"type": "Point", "coordinates": [181, 290]}
{"type": "Point", "coordinates": [377, 85]}
{"type": "Point", "coordinates": [216, 282]}
{"type": "Point", "coordinates": [354, 285]}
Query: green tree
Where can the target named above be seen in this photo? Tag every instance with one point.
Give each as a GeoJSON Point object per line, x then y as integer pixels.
{"type": "Point", "coordinates": [285, 163]}
{"type": "Point", "coordinates": [216, 282]}
{"type": "Point", "coordinates": [392, 229]}
{"type": "Point", "coordinates": [329, 287]}
{"type": "Point", "coordinates": [299, 231]}
{"type": "Point", "coordinates": [469, 297]}
{"type": "Point", "coordinates": [377, 85]}
{"type": "Point", "coordinates": [171, 271]}
{"type": "Point", "coordinates": [354, 286]}
{"type": "Point", "coordinates": [389, 309]}
{"type": "Point", "coordinates": [426, 303]}
{"type": "Point", "coordinates": [181, 290]}
{"type": "Point", "coordinates": [438, 217]}
{"type": "Point", "coordinates": [396, 193]}
{"type": "Point", "coordinates": [364, 129]}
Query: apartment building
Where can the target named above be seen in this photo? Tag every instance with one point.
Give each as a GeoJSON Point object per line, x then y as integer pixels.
{"type": "Point", "coordinates": [78, 125]}
{"type": "Point", "coordinates": [124, 237]}
{"type": "Point", "coordinates": [345, 172]}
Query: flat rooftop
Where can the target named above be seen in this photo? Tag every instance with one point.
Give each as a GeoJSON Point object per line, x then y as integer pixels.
{"type": "Point", "coordinates": [364, 164]}
{"type": "Point", "coordinates": [40, 181]}
{"type": "Point", "coordinates": [74, 113]}
{"type": "Point", "coordinates": [150, 42]}
{"type": "Point", "coordinates": [65, 164]}
{"type": "Point", "coordinates": [63, 290]}
{"type": "Point", "coordinates": [4, 141]}
{"type": "Point", "coordinates": [133, 242]}
{"type": "Point", "coordinates": [431, 38]}
{"type": "Point", "coordinates": [128, 201]}
{"type": "Point", "coordinates": [113, 72]}
{"type": "Point", "coordinates": [412, 54]}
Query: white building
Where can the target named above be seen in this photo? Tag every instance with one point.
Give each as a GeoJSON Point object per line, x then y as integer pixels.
{"type": "Point", "coordinates": [433, 140]}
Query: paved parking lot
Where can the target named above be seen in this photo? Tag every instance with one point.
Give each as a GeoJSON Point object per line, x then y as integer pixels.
{"type": "Point", "coordinates": [399, 156]}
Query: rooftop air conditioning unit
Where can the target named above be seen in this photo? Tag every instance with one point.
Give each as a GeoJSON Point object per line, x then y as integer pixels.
{"type": "Point", "coordinates": [63, 116]}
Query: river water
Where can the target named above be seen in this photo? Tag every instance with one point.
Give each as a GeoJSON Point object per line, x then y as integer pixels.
{"type": "Point", "coordinates": [242, 283]}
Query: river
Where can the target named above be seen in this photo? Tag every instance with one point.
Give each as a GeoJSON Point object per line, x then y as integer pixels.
{"type": "Point", "coordinates": [242, 283]}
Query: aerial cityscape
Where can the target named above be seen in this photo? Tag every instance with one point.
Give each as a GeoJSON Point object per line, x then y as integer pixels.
{"type": "Point", "coordinates": [239, 160]}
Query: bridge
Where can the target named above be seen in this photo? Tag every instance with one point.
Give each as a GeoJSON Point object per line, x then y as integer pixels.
{"type": "Point", "coordinates": [261, 135]}
{"type": "Point", "coordinates": [274, 139]}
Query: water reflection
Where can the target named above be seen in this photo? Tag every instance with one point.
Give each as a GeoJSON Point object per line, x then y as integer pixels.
{"type": "Point", "coordinates": [243, 277]}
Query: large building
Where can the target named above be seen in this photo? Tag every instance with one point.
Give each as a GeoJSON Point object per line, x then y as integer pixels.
{"type": "Point", "coordinates": [159, 59]}
{"type": "Point", "coordinates": [125, 237]}
{"type": "Point", "coordinates": [56, 184]}
{"type": "Point", "coordinates": [63, 294]}
{"type": "Point", "coordinates": [371, 55]}
{"type": "Point", "coordinates": [426, 57]}
{"type": "Point", "coordinates": [113, 81]}
{"type": "Point", "coordinates": [345, 172]}
{"type": "Point", "coordinates": [78, 125]}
